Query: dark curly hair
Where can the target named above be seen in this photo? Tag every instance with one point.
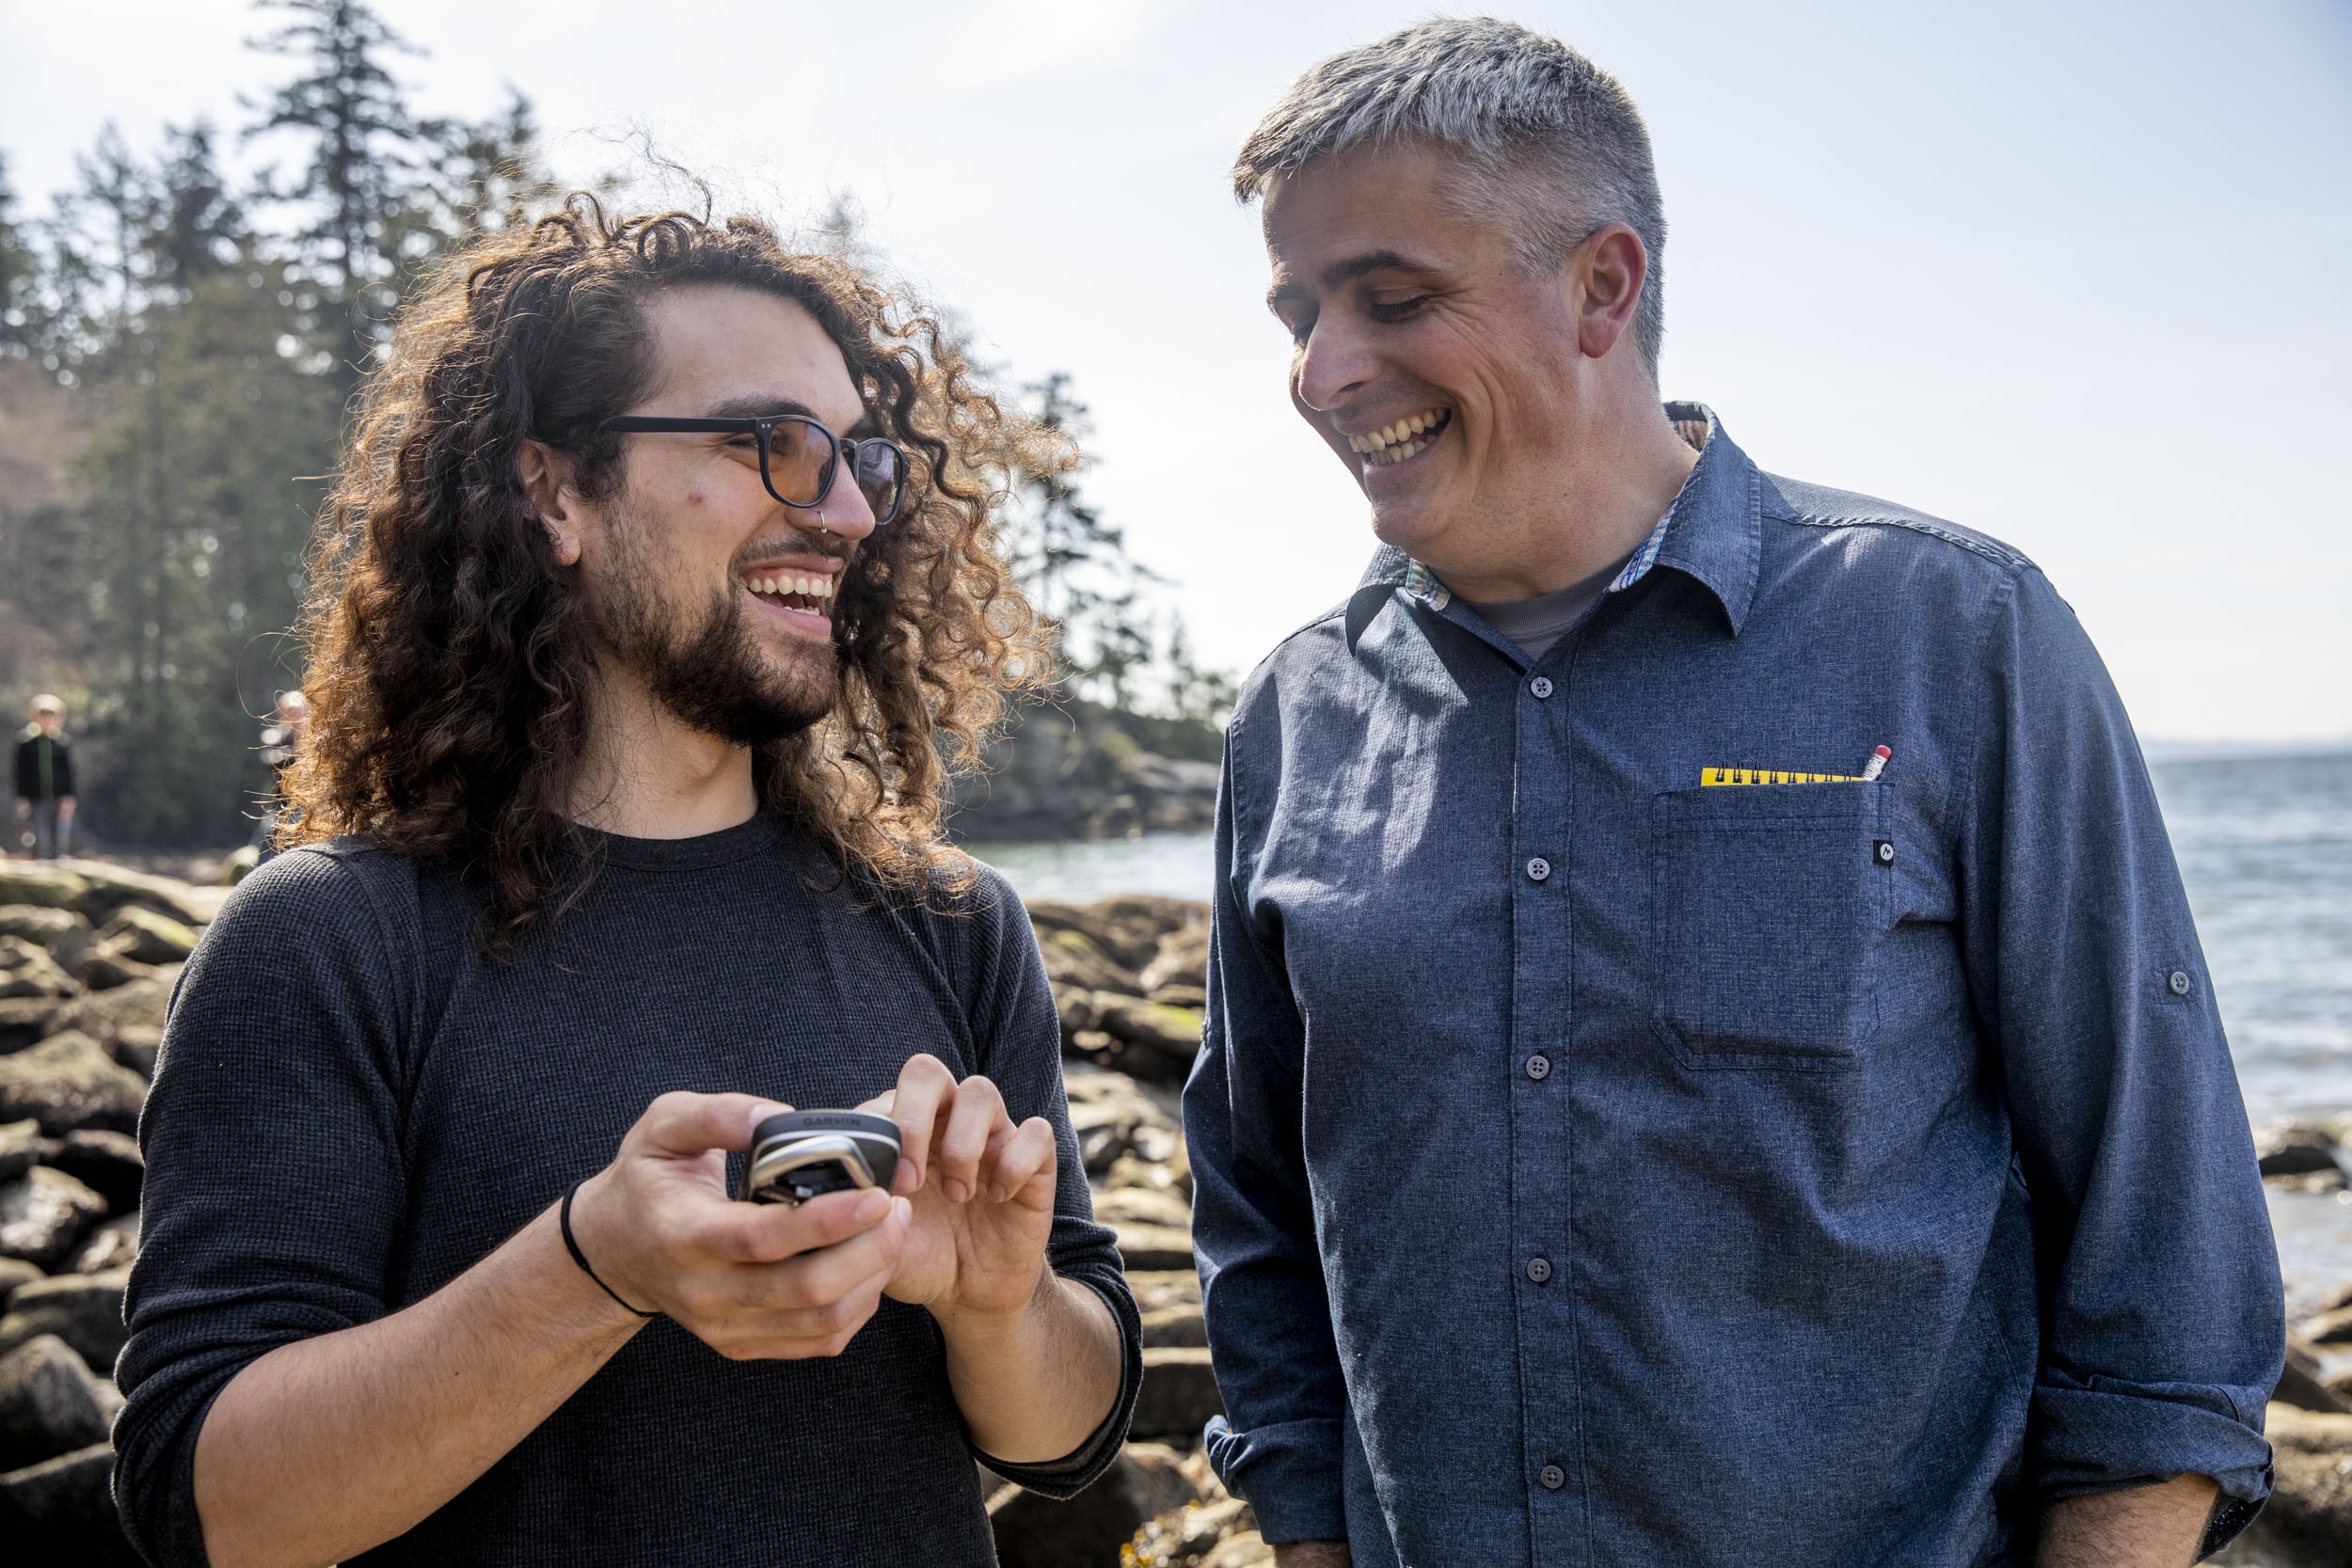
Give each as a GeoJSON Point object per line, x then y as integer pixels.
{"type": "Point", "coordinates": [449, 656]}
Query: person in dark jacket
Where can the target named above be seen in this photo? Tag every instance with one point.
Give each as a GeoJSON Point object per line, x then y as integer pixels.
{"type": "Point", "coordinates": [44, 781]}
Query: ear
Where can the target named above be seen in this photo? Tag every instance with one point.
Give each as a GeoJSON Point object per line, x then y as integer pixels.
{"type": "Point", "coordinates": [547, 476]}
{"type": "Point", "coordinates": [1604, 276]}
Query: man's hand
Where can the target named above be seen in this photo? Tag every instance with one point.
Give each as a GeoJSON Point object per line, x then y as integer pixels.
{"type": "Point", "coordinates": [1311, 1554]}
{"type": "Point", "coordinates": [2141, 1527]}
{"type": "Point", "coordinates": [65, 808]}
{"type": "Point", "coordinates": [982, 1190]}
{"type": "Point", "coordinates": [24, 808]}
{"type": "Point", "coordinates": [748, 1279]}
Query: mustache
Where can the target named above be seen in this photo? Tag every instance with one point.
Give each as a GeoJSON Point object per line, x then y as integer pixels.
{"type": "Point", "coordinates": [831, 547]}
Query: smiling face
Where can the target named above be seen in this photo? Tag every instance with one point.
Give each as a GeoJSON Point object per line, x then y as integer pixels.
{"type": "Point", "coordinates": [712, 591]}
{"type": "Point", "coordinates": [1451, 382]}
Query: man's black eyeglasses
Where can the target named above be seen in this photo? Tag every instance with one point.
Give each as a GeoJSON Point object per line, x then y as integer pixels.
{"type": "Point", "coordinates": [798, 457]}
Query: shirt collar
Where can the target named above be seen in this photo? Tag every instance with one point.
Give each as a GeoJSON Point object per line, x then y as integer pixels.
{"type": "Point", "coordinates": [1710, 531]}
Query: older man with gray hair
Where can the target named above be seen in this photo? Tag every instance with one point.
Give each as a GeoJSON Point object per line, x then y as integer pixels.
{"type": "Point", "coordinates": [1708, 1061]}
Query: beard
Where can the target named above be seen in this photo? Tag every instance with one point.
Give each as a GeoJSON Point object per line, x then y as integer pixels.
{"type": "Point", "coordinates": [707, 667]}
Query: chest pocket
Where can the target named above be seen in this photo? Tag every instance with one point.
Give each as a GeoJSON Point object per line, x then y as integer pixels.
{"type": "Point", "coordinates": [1768, 902]}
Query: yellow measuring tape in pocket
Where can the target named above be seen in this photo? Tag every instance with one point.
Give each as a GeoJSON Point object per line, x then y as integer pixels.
{"type": "Point", "coordinates": [1768, 776]}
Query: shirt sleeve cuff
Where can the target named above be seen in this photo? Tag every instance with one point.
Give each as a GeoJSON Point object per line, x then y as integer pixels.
{"type": "Point", "coordinates": [2104, 1435]}
{"type": "Point", "coordinates": [1290, 1474]}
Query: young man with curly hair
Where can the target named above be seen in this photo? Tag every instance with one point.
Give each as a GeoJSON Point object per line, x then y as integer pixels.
{"type": "Point", "coordinates": [655, 583]}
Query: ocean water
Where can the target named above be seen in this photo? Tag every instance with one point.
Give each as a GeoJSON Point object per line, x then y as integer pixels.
{"type": "Point", "coordinates": [2264, 844]}
{"type": "Point", "coordinates": [2265, 851]}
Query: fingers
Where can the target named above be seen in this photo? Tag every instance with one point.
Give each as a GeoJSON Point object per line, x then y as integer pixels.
{"type": "Point", "coordinates": [811, 1303]}
{"type": "Point", "coordinates": [974, 1119]}
{"type": "Point", "coordinates": [1023, 1164]}
{"type": "Point", "coordinates": [771, 1232]}
{"type": "Point", "coordinates": [682, 1124]}
{"type": "Point", "coordinates": [924, 1084]}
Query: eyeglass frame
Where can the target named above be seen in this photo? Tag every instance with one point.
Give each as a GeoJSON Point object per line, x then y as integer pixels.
{"type": "Point", "coordinates": [763, 427]}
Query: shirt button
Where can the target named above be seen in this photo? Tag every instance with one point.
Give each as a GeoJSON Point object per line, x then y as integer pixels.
{"type": "Point", "coordinates": [1539, 1270]}
{"type": "Point", "coordinates": [1540, 1068]}
{"type": "Point", "coordinates": [2179, 982]}
{"type": "Point", "coordinates": [1553, 1477]}
{"type": "Point", "coordinates": [1540, 686]}
{"type": "Point", "coordinates": [1539, 868]}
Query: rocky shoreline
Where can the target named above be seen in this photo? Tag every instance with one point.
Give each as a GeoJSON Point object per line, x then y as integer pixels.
{"type": "Point", "coordinates": [88, 955]}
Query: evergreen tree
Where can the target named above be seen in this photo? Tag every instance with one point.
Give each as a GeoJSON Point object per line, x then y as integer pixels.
{"type": "Point", "coordinates": [367, 161]}
{"type": "Point", "coordinates": [21, 313]}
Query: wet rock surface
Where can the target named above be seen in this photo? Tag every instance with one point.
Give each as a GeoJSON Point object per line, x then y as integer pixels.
{"type": "Point", "coordinates": [1128, 977]}
{"type": "Point", "coordinates": [68, 1082]}
{"type": "Point", "coordinates": [49, 1402]}
{"type": "Point", "coordinates": [43, 1214]}
{"type": "Point", "coordinates": [82, 1310]}
{"type": "Point", "coordinates": [74, 1068]}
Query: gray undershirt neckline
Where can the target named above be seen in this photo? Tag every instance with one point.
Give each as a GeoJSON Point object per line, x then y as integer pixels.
{"type": "Point", "coordinates": [1535, 624]}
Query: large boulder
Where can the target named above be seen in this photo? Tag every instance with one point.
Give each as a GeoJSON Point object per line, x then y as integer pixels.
{"type": "Point", "coordinates": [1156, 1289]}
{"type": "Point", "coordinates": [41, 926]}
{"type": "Point", "coordinates": [20, 1149]}
{"type": "Point", "coordinates": [109, 1164]}
{"type": "Point", "coordinates": [108, 890]}
{"type": "Point", "coordinates": [1127, 930]}
{"type": "Point", "coordinates": [49, 1402]}
{"type": "Point", "coordinates": [1113, 1116]}
{"type": "Point", "coordinates": [144, 1001]}
{"type": "Point", "coordinates": [43, 1214]}
{"type": "Point", "coordinates": [1143, 1206]}
{"type": "Point", "coordinates": [1176, 1325]}
{"type": "Point", "coordinates": [48, 886]}
{"type": "Point", "coordinates": [1150, 1040]}
{"type": "Point", "coordinates": [62, 1510]}
{"type": "Point", "coordinates": [28, 970]}
{"type": "Point", "coordinates": [2290, 1148]}
{"type": "Point", "coordinates": [1153, 1247]}
{"type": "Point", "coordinates": [2308, 1520]}
{"type": "Point", "coordinates": [69, 1082]}
{"type": "Point", "coordinates": [1087, 1531]}
{"type": "Point", "coordinates": [1183, 959]}
{"type": "Point", "coordinates": [110, 964]}
{"type": "Point", "coordinates": [82, 1310]}
{"type": "Point", "coordinates": [27, 1020]}
{"type": "Point", "coordinates": [114, 1245]}
{"type": "Point", "coordinates": [1073, 959]}
{"type": "Point", "coordinates": [147, 937]}
{"type": "Point", "coordinates": [2300, 1384]}
{"type": "Point", "coordinates": [1179, 1394]}
{"type": "Point", "coordinates": [136, 1046]}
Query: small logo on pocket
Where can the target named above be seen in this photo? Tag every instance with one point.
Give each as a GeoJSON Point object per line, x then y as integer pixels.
{"type": "Point", "coordinates": [1883, 852]}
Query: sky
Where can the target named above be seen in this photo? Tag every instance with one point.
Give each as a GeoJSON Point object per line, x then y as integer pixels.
{"type": "Point", "coordinates": [2071, 274]}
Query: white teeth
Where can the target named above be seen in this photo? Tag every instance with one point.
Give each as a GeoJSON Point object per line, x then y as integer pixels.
{"type": "Point", "coordinates": [1377, 444]}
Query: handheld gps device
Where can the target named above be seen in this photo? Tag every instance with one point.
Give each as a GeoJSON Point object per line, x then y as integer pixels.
{"type": "Point", "coordinates": [799, 1155]}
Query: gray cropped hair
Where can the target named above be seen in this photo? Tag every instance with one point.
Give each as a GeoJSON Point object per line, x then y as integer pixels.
{"type": "Point", "coordinates": [1547, 141]}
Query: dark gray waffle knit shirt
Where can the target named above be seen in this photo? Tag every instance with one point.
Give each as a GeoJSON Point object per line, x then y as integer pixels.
{"type": "Point", "coordinates": [351, 1108]}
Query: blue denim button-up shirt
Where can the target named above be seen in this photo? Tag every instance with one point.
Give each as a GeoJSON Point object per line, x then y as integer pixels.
{"type": "Point", "coordinates": [1599, 1166]}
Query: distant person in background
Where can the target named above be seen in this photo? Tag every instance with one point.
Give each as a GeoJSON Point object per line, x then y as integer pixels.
{"type": "Point", "coordinates": [1708, 1059]}
{"type": "Point", "coordinates": [44, 782]}
{"type": "Point", "coordinates": [281, 741]}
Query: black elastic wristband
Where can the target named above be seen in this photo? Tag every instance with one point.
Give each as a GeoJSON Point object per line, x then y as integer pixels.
{"type": "Point", "coordinates": [563, 1223]}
